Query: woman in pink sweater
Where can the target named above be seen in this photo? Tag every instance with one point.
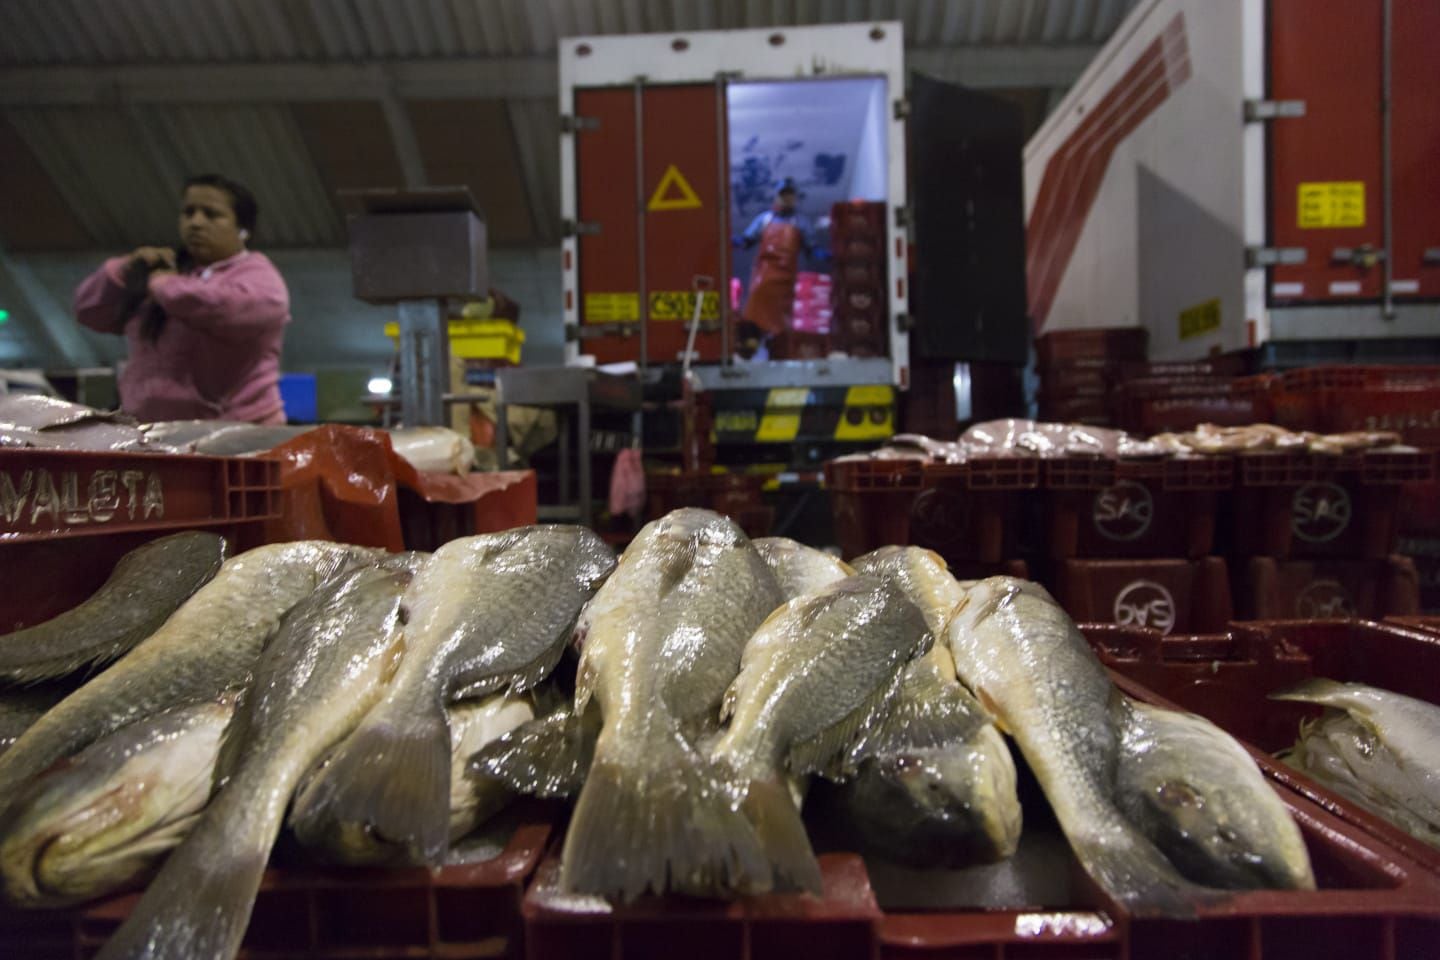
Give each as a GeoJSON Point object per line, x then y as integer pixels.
{"type": "Point", "coordinates": [205, 324]}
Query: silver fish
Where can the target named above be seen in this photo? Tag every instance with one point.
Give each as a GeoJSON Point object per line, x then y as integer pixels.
{"type": "Point", "coordinates": [473, 799]}
{"type": "Point", "coordinates": [103, 819]}
{"type": "Point", "coordinates": [20, 709]}
{"type": "Point", "coordinates": [325, 668]}
{"type": "Point", "coordinates": [660, 643]}
{"type": "Point", "coordinates": [487, 613]}
{"type": "Point", "coordinates": [1197, 794]}
{"type": "Point", "coordinates": [1380, 749]}
{"type": "Point", "coordinates": [800, 569]}
{"type": "Point", "coordinates": [146, 586]}
{"type": "Point", "coordinates": [816, 684]}
{"type": "Point", "coordinates": [942, 789]}
{"type": "Point", "coordinates": [207, 647]}
{"type": "Point", "coordinates": [1033, 671]}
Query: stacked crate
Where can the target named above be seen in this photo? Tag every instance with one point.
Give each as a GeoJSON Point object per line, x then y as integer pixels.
{"type": "Point", "coordinates": [857, 246]}
{"type": "Point", "coordinates": [1078, 369]}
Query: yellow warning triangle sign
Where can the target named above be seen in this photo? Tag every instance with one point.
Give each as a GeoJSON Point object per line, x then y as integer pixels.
{"type": "Point", "coordinates": [673, 182]}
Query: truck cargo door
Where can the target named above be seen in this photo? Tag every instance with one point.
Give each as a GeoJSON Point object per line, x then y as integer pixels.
{"type": "Point", "coordinates": [1415, 150]}
{"type": "Point", "coordinates": [1325, 167]}
{"type": "Point", "coordinates": [966, 191]}
{"type": "Point", "coordinates": [651, 204]}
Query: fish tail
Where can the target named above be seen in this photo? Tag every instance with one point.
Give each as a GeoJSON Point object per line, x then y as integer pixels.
{"type": "Point", "coordinates": [770, 808]}
{"type": "Point", "coordinates": [655, 819]}
{"type": "Point", "coordinates": [1131, 870]}
{"type": "Point", "coordinates": [392, 776]}
{"type": "Point", "coordinates": [546, 757]}
{"type": "Point", "coordinates": [199, 904]}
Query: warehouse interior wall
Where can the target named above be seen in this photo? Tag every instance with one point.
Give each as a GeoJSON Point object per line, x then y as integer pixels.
{"type": "Point", "coordinates": [331, 329]}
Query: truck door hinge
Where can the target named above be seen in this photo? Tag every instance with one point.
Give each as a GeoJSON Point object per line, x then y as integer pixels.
{"type": "Point", "coordinates": [1258, 110]}
{"type": "Point", "coordinates": [1431, 255]}
{"type": "Point", "coordinates": [1364, 255]}
{"type": "Point", "coordinates": [579, 228]}
{"type": "Point", "coordinates": [902, 216]}
{"type": "Point", "coordinates": [1273, 256]}
{"type": "Point", "coordinates": [573, 124]}
{"type": "Point", "coordinates": [902, 109]}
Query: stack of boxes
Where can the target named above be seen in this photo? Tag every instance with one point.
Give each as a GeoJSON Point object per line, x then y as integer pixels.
{"type": "Point", "coordinates": [857, 243]}
{"type": "Point", "coordinates": [1078, 370]}
{"type": "Point", "coordinates": [808, 337]}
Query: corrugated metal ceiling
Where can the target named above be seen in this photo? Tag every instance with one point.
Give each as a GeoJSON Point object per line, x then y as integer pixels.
{"type": "Point", "coordinates": [117, 166]}
{"type": "Point", "coordinates": [52, 32]}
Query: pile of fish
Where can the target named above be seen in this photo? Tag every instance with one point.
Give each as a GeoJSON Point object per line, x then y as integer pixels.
{"type": "Point", "coordinates": [382, 706]}
{"type": "Point", "coordinates": [33, 421]}
{"type": "Point", "coordinates": [1377, 748]}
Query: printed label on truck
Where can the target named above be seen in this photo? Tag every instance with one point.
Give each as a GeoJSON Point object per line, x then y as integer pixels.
{"type": "Point", "coordinates": [612, 308]}
{"type": "Point", "coordinates": [1335, 203]}
{"type": "Point", "coordinates": [680, 305]}
{"type": "Point", "coordinates": [1200, 319]}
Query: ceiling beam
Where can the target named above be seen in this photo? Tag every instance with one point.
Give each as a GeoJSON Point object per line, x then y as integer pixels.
{"type": "Point", "coordinates": [402, 131]}
{"type": "Point", "coordinates": [476, 78]}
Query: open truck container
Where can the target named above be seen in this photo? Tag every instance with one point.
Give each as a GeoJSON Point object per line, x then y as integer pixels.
{"type": "Point", "coordinates": [672, 143]}
{"type": "Point", "coordinates": [1226, 175]}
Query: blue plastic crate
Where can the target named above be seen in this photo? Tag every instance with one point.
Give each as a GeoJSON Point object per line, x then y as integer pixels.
{"type": "Point", "coordinates": [299, 393]}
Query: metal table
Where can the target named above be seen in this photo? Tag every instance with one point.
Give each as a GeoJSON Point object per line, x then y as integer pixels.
{"type": "Point", "coordinates": [562, 388]}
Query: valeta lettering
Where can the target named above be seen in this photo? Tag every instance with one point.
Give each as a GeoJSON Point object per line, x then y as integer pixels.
{"type": "Point", "coordinates": [34, 498]}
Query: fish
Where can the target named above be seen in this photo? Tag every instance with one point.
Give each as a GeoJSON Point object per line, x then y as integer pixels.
{"type": "Point", "coordinates": [1199, 797]}
{"type": "Point", "coordinates": [800, 569]}
{"type": "Point", "coordinates": [487, 613]}
{"type": "Point", "coordinates": [205, 648]}
{"type": "Point", "coordinates": [659, 645]}
{"type": "Point", "coordinates": [434, 449]}
{"type": "Point", "coordinates": [325, 668]}
{"type": "Point", "coordinates": [1378, 748]}
{"type": "Point", "coordinates": [473, 798]}
{"type": "Point", "coordinates": [101, 821]}
{"type": "Point", "coordinates": [19, 709]}
{"type": "Point", "coordinates": [248, 439]}
{"type": "Point", "coordinates": [146, 586]}
{"type": "Point", "coordinates": [942, 790]}
{"type": "Point", "coordinates": [816, 684]}
{"type": "Point", "coordinates": [1033, 672]}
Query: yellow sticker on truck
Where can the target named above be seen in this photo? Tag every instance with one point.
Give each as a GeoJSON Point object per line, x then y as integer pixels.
{"type": "Point", "coordinates": [1332, 203]}
{"type": "Point", "coordinates": [680, 305]}
{"type": "Point", "coordinates": [1200, 319]}
{"type": "Point", "coordinates": [611, 308]}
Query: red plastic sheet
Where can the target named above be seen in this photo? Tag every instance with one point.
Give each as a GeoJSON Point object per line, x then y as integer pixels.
{"type": "Point", "coordinates": [344, 483]}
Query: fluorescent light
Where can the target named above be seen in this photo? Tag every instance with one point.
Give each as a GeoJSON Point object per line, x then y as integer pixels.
{"type": "Point", "coordinates": [380, 386]}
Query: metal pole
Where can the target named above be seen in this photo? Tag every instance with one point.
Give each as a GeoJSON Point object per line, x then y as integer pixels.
{"type": "Point", "coordinates": [1387, 215]}
{"type": "Point", "coordinates": [640, 221]}
{"type": "Point", "coordinates": [424, 362]}
{"type": "Point", "coordinates": [722, 205]}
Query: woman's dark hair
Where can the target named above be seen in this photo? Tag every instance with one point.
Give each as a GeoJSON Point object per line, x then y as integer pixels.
{"type": "Point", "coordinates": [247, 211]}
{"type": "Point", "coordinates": [137, 275]}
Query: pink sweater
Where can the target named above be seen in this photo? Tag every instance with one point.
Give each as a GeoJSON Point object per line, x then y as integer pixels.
{"type": "Point", "coordinates": [218, 356]}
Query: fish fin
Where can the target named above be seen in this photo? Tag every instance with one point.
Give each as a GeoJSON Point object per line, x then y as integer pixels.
{"type": "Point", "coordinates": [836, 751]}
{"type": "Point", "coordinates": [39, 671]}
{"type": "Point", "coordinates": [657, 820]}
{"type": "Point", "coordinates": [928, 713]}
{"type": "Point", "coordinates": [1133, 871]}
{"type": "Point", "coordinates": [543, 665]}
{"type": "Point", "coordinates": [770, 807]}
{"type": "Point", "coordinates": [728, 702]}
{"type": "Point", "coordinates": [392, 776]}
{"type": "Point", "coordinates": [199, 903]}
{"type": "Point", "coordinates": [546, 757]}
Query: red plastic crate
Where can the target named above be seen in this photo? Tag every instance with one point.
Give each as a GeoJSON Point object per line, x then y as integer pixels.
{"type": "Point", "coordinates": [870, 501]}
{"type": "Point", "coordinates": [1111, 343]}
{"type": "Point", "coordinates": [841, 924]}
{"type": "Point", "coordinates": [1182, 403]}
{"type": "Point", "coordinates": [1094, 410]}
{"type": "Point", "coordinates": [970, 512]}
{"type": "Point", "coordinates": [1077, 378]}
{"type": "Point", "coordinates": [1225, 365]}
{"type": "Point", "coordinates": [1405, 399]}
{"type": "Point", "coordinates": [1172, 596]}
{"type": "Point", "coordinates": [1290, 505]}
{"type": "Point", "coordinates": [852, 219]}
{"type": "Point", "coordinates": [455, 913]}
{"type": "Point", "coordinates": [66, 518]}
{"type": "Point", "coordinates": [1102, 508]}
{"type": "Point", "coordinates": [1228, 678]}
{"type": "Point", "coordinates": [1270, 589]}
{"type": "Point", "coordinates": [799, 345]}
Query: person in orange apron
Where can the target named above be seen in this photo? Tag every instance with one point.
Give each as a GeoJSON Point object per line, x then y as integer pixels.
{"type": "Point", "coordinates": [782, 234]}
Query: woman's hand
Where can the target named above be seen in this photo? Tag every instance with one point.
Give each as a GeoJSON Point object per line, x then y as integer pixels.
{"type": "Point", "coordinates": [154, 257]}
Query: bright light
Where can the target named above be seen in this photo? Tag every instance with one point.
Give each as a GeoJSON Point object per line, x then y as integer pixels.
{"type": "Point", "coordinates": [380, 386]}
{"type": "Point", "coordinates": [4, 316]}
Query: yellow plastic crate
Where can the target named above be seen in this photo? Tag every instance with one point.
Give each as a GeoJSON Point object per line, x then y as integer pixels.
{"type": "Point", "coordinates": [478, 339]}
